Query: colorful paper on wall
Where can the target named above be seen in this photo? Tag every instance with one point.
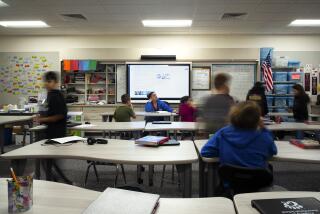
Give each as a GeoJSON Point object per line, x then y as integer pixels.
{"type": "Point", "coordinates": [93, 65]}
{"type": "Point", "coordinates": [74, 65]}
{"type": "Point", "coordinates": [66, 65]}
{"type": "Point", "coordinates": [84, 65]}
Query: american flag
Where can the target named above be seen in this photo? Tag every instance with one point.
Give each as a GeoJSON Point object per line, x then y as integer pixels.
{"type": "Point", "coordinates": [267, 73]}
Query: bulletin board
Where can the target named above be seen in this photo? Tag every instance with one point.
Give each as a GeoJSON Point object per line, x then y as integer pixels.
{"type": "Point", "coordinates": [201, 78]}
{"type": "Point", "coordinates": [21, 73]}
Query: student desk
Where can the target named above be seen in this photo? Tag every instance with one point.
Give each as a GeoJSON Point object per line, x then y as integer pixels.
{"type": "Point", "coordinates": [12, 120]}
{"type": "Point", "coordinates": [175, 126]}
{"type": "Point", "coordinates": [116, 151]}
{"type": "Point", "coordinates": [111, 127]}
{"type": "Point", "coordinates": [286, 152]}
{"type": "Point", "coordinates": [292, 126]}
{"type": "Point", "coordinates": [243, 201]}
{"type": "Point", "coordinates": [107, 116]}
{"type": "Point", "coordinates": [52, 198]}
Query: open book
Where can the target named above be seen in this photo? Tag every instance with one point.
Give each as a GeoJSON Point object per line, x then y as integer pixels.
{"type": "Point", "coordinates": [118, 201]}
{"type": "Point", "coordinates": [64, 140]}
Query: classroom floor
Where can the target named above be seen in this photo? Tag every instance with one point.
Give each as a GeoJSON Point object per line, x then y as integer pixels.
{"type": "Point", "coordinates": [292, 176]}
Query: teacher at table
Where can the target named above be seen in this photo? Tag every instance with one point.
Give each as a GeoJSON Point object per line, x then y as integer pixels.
{"type": "Point", "coordinates": [154, 105]}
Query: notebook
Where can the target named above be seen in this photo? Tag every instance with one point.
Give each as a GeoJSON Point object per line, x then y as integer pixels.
{"type": "Point", "coordinates": [152, 140]}
{"type": "Point", "coordinates": [306, 144]}
{"type": "Point", "coordinates": [171, 143]}
{"type": "Point", "coordinates": [287, 205]}
{"type": "Point", "coordinates": [64, 140]}
{"type": "Point", "coordinates": [118, 201]}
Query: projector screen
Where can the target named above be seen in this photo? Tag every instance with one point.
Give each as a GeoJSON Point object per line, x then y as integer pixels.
{"type": "Point", "coordinates": [169, 81]}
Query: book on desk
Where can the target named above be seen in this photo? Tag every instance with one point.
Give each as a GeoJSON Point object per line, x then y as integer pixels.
{"type": "Point", "coordinates": [305, 144]}
{"type": "Point", "coordinates": [306, 205]}
{"type": "Point", "coordinates": [119, 201]}
{"type": "Point", "coordinates": [152, 140]}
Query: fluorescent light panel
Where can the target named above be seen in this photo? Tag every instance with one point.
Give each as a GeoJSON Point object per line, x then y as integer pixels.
{"type": "Point", "coordinates": [23, 24]}
{"type": "Point", "coordinates": [166, 23]}
{"type": "Point", "coordinates": [3, 4]}
{"type": "Point", "coordinates": [306, 23]}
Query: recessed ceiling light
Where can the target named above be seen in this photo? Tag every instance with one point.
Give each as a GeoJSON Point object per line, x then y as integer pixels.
{"type": "Point", "coordinates": [305, 22]}
{"type": "Point", "coordinates": [24, 24]}
{"type": "Point", "coordinates": [3, 4]}
{"type": "Point", "coordinates": [167, 23]}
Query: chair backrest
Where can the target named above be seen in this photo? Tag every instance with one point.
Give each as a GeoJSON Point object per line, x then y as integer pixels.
{"type": "Point", "coordinates": [243, 179]}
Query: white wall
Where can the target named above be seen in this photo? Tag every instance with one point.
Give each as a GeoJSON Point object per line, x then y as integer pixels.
{"type": "Point", "coordinates": [130, 47]}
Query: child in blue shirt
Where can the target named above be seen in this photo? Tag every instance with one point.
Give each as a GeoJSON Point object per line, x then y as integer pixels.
{"type": "Point", "coordinates": [244, 143]}
{"type": "Point", "coordinates": [154, 104]}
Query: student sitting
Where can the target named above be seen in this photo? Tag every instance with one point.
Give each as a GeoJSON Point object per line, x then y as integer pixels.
{"type": "Point", "coordinates": [153, 105]}
{"type": "Point", "coordinates": [244, 143]}
{"type": "Point", "coordinates": [125, 112]}
{"type": "Point", "coordinates": [257, 94]}
{"type": "Point", "coordinates": [187, 110]}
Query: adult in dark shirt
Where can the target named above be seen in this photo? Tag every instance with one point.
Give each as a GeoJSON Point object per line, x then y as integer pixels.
{"type": "Point", "coordinates": [217, 106]}
{"type": "Point", "coordinates": [257, 94]}
{"type": "Point", "coordinates": [300, 103]}
{"type": "Point", "coordinates": [56, 117]}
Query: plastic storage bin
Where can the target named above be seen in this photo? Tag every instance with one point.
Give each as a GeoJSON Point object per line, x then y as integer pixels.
{"type": "Point", "coordinates": [270, 101]}
{"type": "Point", "coordinates": [294, 63]}
{"type": "Point", "coordinates": [295, 76]}
{"type": "Point", "coordinates": [290, 101]}
{"type": "Point", "coordinates": [290, 89]}
{"type": "Point", "coordinates": [280, 89]}
{"type": "Point", "coordinates": [280, 76]}
{"type": "Point", "coordinates": [280, 101]}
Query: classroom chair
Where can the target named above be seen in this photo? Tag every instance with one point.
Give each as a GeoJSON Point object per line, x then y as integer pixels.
{"type": "Point", "coordinates": [94, 164]}
{"type": "Point", "coordinates": [236, 179]}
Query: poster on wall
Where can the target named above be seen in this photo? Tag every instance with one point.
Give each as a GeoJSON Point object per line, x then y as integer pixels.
{"type": "Point", "coordinates": [307, 81]}
{"type": "Point", "coordinates": [314, 85]}
{"type": "Point", "coordinates": [201, 78]}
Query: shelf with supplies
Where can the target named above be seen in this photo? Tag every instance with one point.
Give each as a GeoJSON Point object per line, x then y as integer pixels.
{"type": "Point", "coordinates": [89, 81]}
{"type": "Point", "coordinates": [280, 95]}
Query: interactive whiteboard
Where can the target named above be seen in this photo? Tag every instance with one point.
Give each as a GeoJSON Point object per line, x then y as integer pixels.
{"type": "Point", "coordinates": [169, 81]}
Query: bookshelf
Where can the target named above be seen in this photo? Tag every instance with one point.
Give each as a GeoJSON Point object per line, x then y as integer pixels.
{"type": "Point", "coordinates": [94, 86]}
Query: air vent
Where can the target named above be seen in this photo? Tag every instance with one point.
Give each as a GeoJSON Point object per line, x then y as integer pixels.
{"type": "Point", "coordinates": [73, 17]}
{"type": "Point", "coordinates": [234, 16]}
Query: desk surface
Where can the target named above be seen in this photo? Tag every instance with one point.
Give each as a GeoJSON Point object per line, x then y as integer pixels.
{"type": "Point", "coordinates": [175, 126]}
{"type": "Point", "coordinates": [116, 151]}
{"type": "Point", "coordinates": [292, 126]}
{"type": "Point", "coordinates": [143, 113]}
{"type": "Point", "coordinates": [111, 126]}
{"type": "Point", "coordinates": [243, 201]}
{"type": "Point", "coordinates": [286, 152]}
{"type": "Point", "coordinates": [52, 198]}
{"type": "Point", "coordinates": [13, 119]}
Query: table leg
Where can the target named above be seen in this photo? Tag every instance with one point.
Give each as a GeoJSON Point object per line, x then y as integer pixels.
{"type": "Point", "coordinates": [151, 172]}
{"type": "Point", "coordinates": [104, 118]}
{"type": "Point", "coordinates": [49, 164]}
{"type": "Point", "coordinates": [213, 178]}
{"type": "Point", "coordinates": [201, 179]}
{"type": "Point", "coordinates": [139, 179]}
{"type": "Point", "coordinates": [175, 135]}
{"type": "Point", "coordinates": [186, 179]}
{"type": "Point", "coordinates": [19, 166]}
{"type": "Point", "coordinates": [2, 138]}
{"type": "Point", "coordinates": [38, 169]}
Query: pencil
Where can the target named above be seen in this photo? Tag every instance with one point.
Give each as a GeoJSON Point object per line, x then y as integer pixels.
{"type": "Point", "coordinates": [14, 176]}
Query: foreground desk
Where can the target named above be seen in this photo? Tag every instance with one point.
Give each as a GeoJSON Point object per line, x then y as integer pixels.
{"type": "Point", "coordinates": [111, 127]}
{"type": "Point", "coordinates": [243, 201]}
{"type": "Point", "coordinates": [12, 120]}
{"type": "Point", "coordinates": [286, 152]}
{"type": "Point", "coordinates": [292, 126]}
{"type": "Point", "coordinates": [116, 151]}
{"type": "Point", "coordinates": [52, 198]}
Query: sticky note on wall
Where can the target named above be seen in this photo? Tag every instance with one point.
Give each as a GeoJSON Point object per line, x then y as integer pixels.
{"type": "Point", "coordinates": [74, 65]}
{"type": "Point", "coordinates": [84, 65]}
{"type": "Point", "coordinates": [93, 65]}
{"type": "Point", "coordinates": [66, 65]}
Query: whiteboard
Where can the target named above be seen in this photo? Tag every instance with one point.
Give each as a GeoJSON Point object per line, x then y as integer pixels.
{"type": "Point", "coordinates": [243, 77]}
{"type": "Point", "coordinates": [121, 81]}
{"type": "Point", "coordinates": [201, 78]}
{"type": "Point", "coordinates": [21, 73]}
